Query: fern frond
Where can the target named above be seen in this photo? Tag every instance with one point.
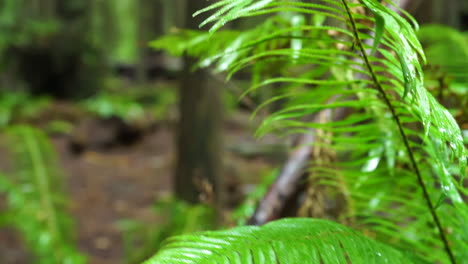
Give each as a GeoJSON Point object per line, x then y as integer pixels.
{"type": "Point", "coordinates": [35, 198]}
{"type": "Point", "coordinates": [295, 240]}
{"type": "Point", "coordinates": [400, 155]}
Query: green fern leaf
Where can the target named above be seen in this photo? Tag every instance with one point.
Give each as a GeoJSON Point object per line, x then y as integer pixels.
{"type": "Point", "coordinates": [293, 241]}
{"type": "Point", "coordinates": [396, 147]}
{"type": "Point", "coordinates": [35, 198]}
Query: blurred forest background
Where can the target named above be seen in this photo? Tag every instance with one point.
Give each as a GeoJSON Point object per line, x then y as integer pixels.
{"type": "Point", "coordinates": [126, 145]}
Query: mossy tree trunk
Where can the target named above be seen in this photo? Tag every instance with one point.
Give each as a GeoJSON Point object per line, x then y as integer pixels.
{"type": "Point", "coordinates": [199, 160]}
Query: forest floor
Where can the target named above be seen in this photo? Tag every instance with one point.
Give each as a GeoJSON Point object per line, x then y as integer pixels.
{"type": "Point", "coordinates": [107, 185]}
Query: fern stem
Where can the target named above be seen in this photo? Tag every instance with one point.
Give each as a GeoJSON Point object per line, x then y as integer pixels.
{"type": "Point", "coordinates": [40, 174]}
{"type": "Point", "coordinates": [414, 164]}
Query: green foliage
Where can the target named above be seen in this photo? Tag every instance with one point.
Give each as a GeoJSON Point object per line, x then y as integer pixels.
{"type": "Point", "coordinates": [401, 159]}
{"type": "Point", "coordinates": [232, 42]}
{"type": "Point", "coordinates": [108, 105]}
{"type": "Point", "coordinates": [191, 42]}
{"type": "Point", "coordinates": [35, 198]}
{"type": "Point", "coordinates": [126, 48]}
{"type": "Point", "coordinates": [20, 105]}
{"type": "Point", "coordinates": [177, 217]}
{"type": "Point", "coordinates": [45, 44]}
{"type": "Point", "coordinates": [447, 48]}
{"type": "Point", "coordinates": [295, 240]}
{"type": "Point", "coordinates": [247, 208]}
{"type": "Point", "coordinates": [22, 22]}
{"type": "Point", "coordinates": [447, 70]}
{"type": "Point", "coordinates": [131, 106]}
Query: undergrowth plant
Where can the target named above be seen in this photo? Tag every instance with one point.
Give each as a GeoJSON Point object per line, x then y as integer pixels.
{"type": "Point", "coordinates": [399, 160]}
{"type": "Point", "coordinates": [132, 105]}
{"type": "Point", "coordinates": [446, 74]}
{"type": "Point", "coordinates": [36, 203]}
{"type": "Point", "coordinates": [19, 106]}
{"type": "Point", "coordinates": [176, 217]}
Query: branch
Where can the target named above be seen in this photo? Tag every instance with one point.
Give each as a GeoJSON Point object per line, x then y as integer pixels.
{"type": "Point", "coordinates": [287, 182]}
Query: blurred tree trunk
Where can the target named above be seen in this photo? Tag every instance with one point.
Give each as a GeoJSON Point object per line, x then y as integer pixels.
{"type": "Point", "coordinates": [174, 14]}
{"type": "Point", "coordinates": [199, 160]}
{"type": "Point", "coordinates": [150, 16]}
{"type": "Point", "coordinates": [447, 12]}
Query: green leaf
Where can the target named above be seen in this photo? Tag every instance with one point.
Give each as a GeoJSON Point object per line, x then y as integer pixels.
{"type": "Point", "coordinates": [293, 241]}
{"type": "Point", "coordinates": [396, 144]}
{"type": "Point", "coordinates": [379, 30]}
{"type": "Point", "coordinates": [35, 198]}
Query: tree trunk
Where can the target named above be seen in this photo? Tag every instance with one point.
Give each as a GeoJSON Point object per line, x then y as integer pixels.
{"type": "Point", "coordinates": [447, 12]}
{"type": "Point", "coordinates": [199, 161]}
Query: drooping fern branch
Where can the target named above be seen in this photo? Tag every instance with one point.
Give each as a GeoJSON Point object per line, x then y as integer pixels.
{"type": "Point", "coordinates": [399, 153]}
{"type": "Point", "coordinates": [379, 12]}
{"type": "Point", "coordinates": [35, 198]}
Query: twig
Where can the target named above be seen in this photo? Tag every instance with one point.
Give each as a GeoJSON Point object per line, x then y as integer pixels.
{"type": "Point", "coordinates": [288, 181]}
{"type": "Point", "coordinates": [285, 184]}
{"type": "Point", "coordinates": [247, 101]}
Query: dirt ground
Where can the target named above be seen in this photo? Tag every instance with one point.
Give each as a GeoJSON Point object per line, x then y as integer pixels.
{"type": "Point", "coordinates": [112, 185]}
{"type": "Point", "coordinates": [123, 182]}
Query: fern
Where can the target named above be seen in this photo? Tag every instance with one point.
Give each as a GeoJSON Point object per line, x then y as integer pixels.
{"type": "Point", "coordinates": [400, 155]}
{"type": "Point", "coordinates": [17, 106]}
{"type": "Point", "coordinates": [35, 198]}
{"type": "Point", "coordinates": [141, 240]}
{"type": "Point", "coordinates": [296, 240]}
